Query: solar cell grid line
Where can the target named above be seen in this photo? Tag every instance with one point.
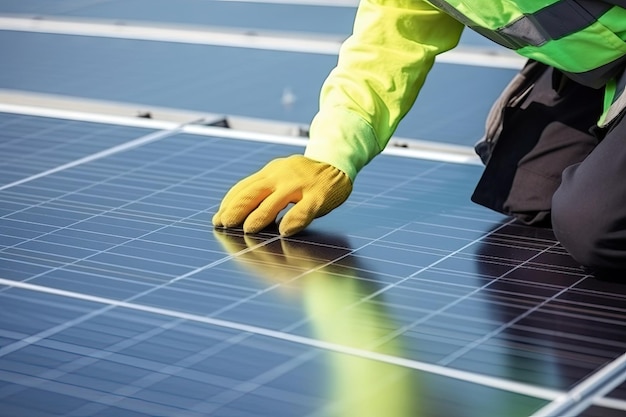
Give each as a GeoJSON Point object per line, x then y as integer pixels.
{"type": "Point", "coordinates": [119, 148]}
{"type": "Point", "coordinates": [4, 350]}
{"type": "Point", "coordinates": [521, 345]}
{"type": "Point", "coordinates": [17, 123]}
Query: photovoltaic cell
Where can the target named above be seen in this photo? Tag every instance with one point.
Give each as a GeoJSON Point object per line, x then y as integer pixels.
{"type": "Point", "coordinates": [596, 411]}
{"type": "Point", "coordinates": [30, 145]}
{"type": "Point", "coordinates": [119, 297]}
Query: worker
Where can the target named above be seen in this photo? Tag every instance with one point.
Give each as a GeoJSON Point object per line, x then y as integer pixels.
{"type": "Point", "coordinates": [555, 141]}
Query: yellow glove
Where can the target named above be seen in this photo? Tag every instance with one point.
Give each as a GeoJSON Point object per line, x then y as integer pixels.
{"type": "Point", "coordinates": [315, 187]}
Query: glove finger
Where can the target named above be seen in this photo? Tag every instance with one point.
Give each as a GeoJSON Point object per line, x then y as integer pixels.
{"type": "Point", "coordinates": [297, 218]}
{"type": "Point", "coordinates": [241, 202]}
{"type": "Point", "coordinates": [216, 220]}
{"type": "Point", "coordinates": [240, 187]}
{"type": "Point", "coordinates": [268, 210]}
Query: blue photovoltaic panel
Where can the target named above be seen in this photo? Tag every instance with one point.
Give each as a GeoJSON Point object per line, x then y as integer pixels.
{"type": "Point", "coordinates": [266, 16]}
{"type": "Point", "coordinates": [222, 80]}
{"type": "Point", "coordinates": [120, 299]}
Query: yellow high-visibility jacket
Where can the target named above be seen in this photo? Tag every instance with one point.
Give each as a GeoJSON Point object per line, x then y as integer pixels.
{"type": "Point", "coordinates": [384, 63]}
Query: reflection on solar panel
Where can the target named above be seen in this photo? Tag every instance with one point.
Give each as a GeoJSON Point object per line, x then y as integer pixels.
{"type": "Point", "coordinates": [117, 297]}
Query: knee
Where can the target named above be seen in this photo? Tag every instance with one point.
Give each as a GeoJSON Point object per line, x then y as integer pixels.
{"type": "Point", "coordinates": [574, 231]}
{"type": "Point", "coordinates": [581, 225]}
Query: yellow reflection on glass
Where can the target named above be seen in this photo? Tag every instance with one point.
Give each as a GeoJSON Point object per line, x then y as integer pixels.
{"type": "Point", "coordinates": [332, 296]}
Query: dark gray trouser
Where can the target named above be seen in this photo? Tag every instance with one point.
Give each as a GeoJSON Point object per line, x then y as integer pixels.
{"type": "Point", "coordinates": [589, 207]}
{"type": "Point", "coordinates": [543, 134]}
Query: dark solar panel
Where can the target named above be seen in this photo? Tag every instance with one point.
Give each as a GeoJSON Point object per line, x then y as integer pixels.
{"type": "Point", "coordinates": [118, 298]}
{"type": "Point", "coordinates": [619, 392]}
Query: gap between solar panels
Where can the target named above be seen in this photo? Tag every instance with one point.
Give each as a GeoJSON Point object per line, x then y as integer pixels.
{"type": "Point", "coordinates": [589, 391]}
{"type": "Point", "coordinates": [485, 380]}
{"type": "Point", "coordinates": [171, 121]}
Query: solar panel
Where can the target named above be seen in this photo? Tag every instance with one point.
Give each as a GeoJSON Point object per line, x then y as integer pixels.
{"type": "Point", "coordinates": [119, 299]}
{"type": "Point", "coordinates": [221, 80]}
{"type": "Point", "coordinates": [256, 15]}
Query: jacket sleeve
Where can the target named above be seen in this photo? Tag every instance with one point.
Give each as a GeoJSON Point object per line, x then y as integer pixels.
{"type": "Point", "coordinates": [380, 70]}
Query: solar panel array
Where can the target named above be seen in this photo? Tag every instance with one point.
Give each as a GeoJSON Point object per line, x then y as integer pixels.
{"type": "Point", "coordinates": [119, 299]}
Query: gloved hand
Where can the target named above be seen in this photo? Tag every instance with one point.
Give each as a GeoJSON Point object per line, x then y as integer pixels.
{"type": "Point", "coordinates": [315, 187]}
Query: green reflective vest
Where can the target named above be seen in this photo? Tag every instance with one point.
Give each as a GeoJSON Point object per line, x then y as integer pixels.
{"type": "Point", "coordinates": [383, 64]}
{"type": "Point", "coordinates": [584, 38]}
